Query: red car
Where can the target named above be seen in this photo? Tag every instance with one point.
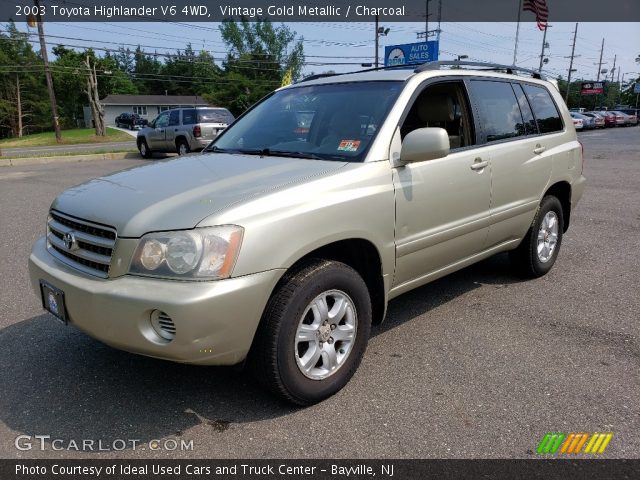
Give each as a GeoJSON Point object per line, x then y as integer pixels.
{"type": "Point", "coordinates": [609, 118]}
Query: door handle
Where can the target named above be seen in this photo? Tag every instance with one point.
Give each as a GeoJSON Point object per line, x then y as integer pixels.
{"type": "Point", "coordinates": [479, 164]}
{"type": "Point", "coordinates": [175, 129]}
{"type": "Point", "coordinates": [539, 149]}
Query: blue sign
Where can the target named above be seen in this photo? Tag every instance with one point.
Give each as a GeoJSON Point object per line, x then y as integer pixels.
{"type": "Point", "coordinates": [636, 87]}
{"type": "Point", "coordinates": [410, 53]}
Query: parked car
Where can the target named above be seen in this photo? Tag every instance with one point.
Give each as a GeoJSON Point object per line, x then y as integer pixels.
{"type": "Point", "coordinates": [278, 249]}
{"type": "Point", "coordinates": [585, 122]}
{"type": "Point", "coordinates": [598, 120]}
{"type": "Point", "coordinates": [610, 119]}
{"type": "Point", "coordinates": [628, 120]}
{"type": "Point", "coordinates": [183, 130]}
{"type": "Point", "coordinates": [630, 111]}
{"type": "Point", "coordinates": [132, 121]}
{"type": "Point", "coordinates": [578, 123]}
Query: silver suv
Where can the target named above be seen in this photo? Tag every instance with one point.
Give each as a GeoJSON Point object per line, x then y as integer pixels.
{"type": "Point", "coordinates": [283, 242]}
{"type": "Point", "coordinates": [182, 130]}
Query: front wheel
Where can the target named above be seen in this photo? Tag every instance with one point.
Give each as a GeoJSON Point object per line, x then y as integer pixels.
{"type": "Point", "coordinates": [144, 149]}
{"type": "Point", "coordinates": [539, 249]}
{"type": "Point", "coordinates": [313, 333]}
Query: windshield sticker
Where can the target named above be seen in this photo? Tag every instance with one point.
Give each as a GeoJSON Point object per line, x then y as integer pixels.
{"type": "Point", "coordinates": [349, 145]}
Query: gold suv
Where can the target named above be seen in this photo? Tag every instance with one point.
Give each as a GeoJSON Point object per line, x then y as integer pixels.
{"type": "Point", "coordinates": [282, 243]}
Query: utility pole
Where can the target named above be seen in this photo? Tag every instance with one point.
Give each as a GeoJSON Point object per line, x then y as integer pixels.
{"type": "Point", "coordinates": [544, 45]}
{"type": "Point", "coordinates": [613, 70]}
{"type": "Point", "coordinates": [515, 49]}
{"type": "Point", "coordinates": [376, 41]}
{"type": "Point", "coordinates": [598, 100]}
{"type": "Point", "coordinates": [600, 62]}
{"type": "Point", "coordinates": [573, 51]}
{"type": "Point", "coordinates": [426, 20]}
{"type": "Point", "coordinates": [19, 105]}
{"type": "Point", "coordinates": [47, 72]}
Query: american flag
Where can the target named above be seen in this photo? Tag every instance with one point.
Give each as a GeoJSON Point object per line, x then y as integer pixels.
{"type": "Point", "coordinates": [539, 7]}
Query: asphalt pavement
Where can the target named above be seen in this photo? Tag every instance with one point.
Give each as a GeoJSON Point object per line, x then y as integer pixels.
{"type": "Point", "coordinates": [476, 365]}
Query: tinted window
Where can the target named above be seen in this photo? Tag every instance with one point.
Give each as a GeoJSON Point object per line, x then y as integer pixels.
{"type": "Point", "coordinates": [174, 117]}
{"type": "Point", "coordinates": [544, 109]}
{"type": "Point", "coordinates": [500, 115]}
{"type": "Point", "coordinates": [162, 120]}
{"type": "Point", "coordinates": [530, 126]}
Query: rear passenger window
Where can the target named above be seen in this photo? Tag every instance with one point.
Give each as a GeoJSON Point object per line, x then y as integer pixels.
{"type": "Point", "coordinates": [189, 117]}
{"type": "Point", "coordinates": [500, 115]}
{"type": "Point", "coordinates": [544, 109]}
{"type": "Point", "coordinates": [174, 117]}
{"type": "Point", "coordinates": [530, 126]}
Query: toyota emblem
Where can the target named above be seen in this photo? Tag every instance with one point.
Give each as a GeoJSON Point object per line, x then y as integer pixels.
{"type": "Point", "coordinates": [70, 241]}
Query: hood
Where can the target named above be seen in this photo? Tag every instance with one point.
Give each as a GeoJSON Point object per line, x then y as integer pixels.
{"type": "Point", "coordinates": [179, 193]}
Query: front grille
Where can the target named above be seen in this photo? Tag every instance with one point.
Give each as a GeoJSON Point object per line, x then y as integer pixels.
{"type": "Point", "coordinates": [91, 249]}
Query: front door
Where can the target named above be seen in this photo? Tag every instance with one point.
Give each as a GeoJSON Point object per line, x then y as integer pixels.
{"type": "Point", "coordinates": [157, 136]}
{"type": "Point", "coordinates": [442, 205]}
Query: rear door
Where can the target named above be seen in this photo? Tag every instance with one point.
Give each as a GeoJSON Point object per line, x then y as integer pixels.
{"type": "Point", "coordinates": [521, 156]}
{"type": "Point", "coordinates": [173, 128]}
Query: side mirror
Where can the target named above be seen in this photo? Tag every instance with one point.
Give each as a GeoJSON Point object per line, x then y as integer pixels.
{"type": "Point", "coordinates": [424, 144]}
{"type": "Point", "coordinates": [152, 124]}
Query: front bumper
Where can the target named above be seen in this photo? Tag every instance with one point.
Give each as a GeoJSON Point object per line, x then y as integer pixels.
{"type": "Point", "coordinates": [215, 321]}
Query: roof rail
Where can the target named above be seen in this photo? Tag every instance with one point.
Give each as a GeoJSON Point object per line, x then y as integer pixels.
{"type": "Point", "coordinates": [488, 66]}
{"type": "Point", "coordinates": [318, 75]}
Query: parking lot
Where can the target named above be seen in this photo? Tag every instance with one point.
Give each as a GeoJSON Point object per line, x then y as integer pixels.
{"type": "Point", "coordinates": [476, 365]}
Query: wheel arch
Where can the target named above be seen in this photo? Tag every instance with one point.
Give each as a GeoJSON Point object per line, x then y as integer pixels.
{"type": "Point", "coordinates": [361, 255]}
{"type": "Point", "coordinates": [562, 191]}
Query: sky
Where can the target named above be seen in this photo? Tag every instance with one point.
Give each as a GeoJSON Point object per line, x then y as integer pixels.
{"type": "Point", "coordinates": [344, 46]}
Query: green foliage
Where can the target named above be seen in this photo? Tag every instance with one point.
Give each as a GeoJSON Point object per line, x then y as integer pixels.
{"type": "Point", "coordinates": [259, 55]}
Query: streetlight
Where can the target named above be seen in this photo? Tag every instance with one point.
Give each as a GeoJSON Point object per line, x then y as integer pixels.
{"type": "Point", "coordinates": [380, 32]}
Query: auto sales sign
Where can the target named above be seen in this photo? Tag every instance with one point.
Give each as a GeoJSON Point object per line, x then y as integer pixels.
{"type": "Point", "coordinates": [592, 88]}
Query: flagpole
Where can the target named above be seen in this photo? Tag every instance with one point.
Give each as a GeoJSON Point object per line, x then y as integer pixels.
{"type": "Point", "coordinates": [515, 50]}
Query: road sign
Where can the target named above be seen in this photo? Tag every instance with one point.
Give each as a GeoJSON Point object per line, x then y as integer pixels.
{"type": "Point", "coordinates": [410, 53]}
{"type": "Point", "coordinates": [636, 88]}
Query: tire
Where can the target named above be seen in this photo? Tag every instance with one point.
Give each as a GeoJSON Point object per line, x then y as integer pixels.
{"type": "Point", "coordinates": [533, 259]}
{"type": "Point", "coordinates": [182, 147]}
{"type": "Point", "coordinates": [277, 357]}
{"type": "Point", "coordinates": [144, 149]}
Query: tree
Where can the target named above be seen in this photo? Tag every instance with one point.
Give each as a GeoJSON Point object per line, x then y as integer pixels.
{"type": "Point", "coordinates": [97, 110]}
{"type": "Point", "coordinates": [259, 55]}
{"type": "Point", "coordinates": [23, 106]}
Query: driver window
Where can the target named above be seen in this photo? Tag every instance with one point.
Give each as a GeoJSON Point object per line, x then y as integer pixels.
{"type": "Point", "coordinates": [442, 105]}
{"type": "Point", "coordinates": [162, 120]}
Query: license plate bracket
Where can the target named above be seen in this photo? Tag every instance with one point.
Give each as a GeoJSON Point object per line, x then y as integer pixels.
{"type": "Point", "coordinates": [53, 301]}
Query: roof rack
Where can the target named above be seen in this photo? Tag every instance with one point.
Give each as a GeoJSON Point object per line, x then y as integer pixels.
{"type": "Point", "coordinates": [318, 75]}
{"type": "Point", "coordinates": [510, 69]}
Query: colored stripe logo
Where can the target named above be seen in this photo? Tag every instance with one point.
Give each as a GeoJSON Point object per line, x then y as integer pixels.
{"type": "Point", "coordinates": [573, 443]}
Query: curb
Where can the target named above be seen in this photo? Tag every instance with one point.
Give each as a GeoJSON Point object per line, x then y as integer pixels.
{"type": "Point", "coordinates": [15, 162]}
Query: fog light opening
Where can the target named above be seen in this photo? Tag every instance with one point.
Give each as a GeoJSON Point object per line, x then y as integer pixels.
{"type": "Point", "coordinates": [163, 325]}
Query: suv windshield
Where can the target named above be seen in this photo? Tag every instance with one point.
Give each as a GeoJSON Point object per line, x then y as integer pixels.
{"type": "Point", "coordinates": [326, 122]}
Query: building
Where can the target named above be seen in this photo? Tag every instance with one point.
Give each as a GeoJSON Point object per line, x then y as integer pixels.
{"type": "Point", "coordinates": [147, 106]}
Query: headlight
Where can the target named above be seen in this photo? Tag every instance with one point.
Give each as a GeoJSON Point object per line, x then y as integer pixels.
{"type": "Point", "coordinates": [198, 254]}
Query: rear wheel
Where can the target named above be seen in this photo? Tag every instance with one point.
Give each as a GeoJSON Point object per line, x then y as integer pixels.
{"type": "Point", "coordinates": [313, 333]}
{"type": "Point", "coordinates": [144, 149]}
{"type": "Point", "coordinates": [182, 147]}
{"type": "Point", "coordinates": [539, 249]}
